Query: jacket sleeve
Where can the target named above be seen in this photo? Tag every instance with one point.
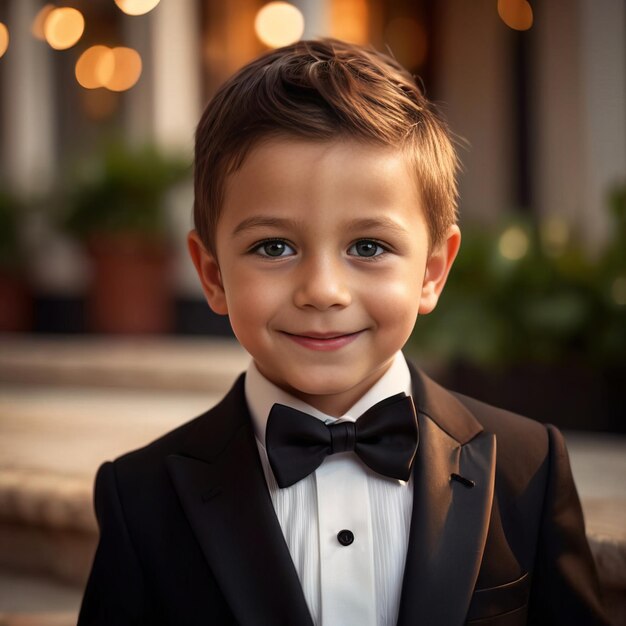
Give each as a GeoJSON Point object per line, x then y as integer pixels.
{"type": "Point", "coordinates": [115, 590]}
{"type": "Point", "coordinates": [565, 587]}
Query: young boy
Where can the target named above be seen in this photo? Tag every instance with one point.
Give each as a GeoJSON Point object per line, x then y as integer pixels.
{"type": "Point", "coordinates": [335, 484]}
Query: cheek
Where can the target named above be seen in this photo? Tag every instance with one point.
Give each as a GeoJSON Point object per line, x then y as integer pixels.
{"type": "Point", "coordinates": [395, 299]}
{"type": "Point", "coordinates": [252, 302]}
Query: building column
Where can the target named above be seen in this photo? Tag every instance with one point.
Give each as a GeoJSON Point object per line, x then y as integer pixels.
{"type": "Point", "coordinates": [580, 114]}
{"type": "Point", "coordinates": [176, 63]}
{"type": "Point", "coordinates": [603, 77]}
{"type": "Point", "coordinates": [474, 92]}
{"type": "Point", "coordinates": [28, 101]}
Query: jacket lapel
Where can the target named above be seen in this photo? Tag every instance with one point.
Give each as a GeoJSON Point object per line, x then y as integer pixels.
{"type": "Point", "coordinates": [450, 519]}
{"type": "Point", "coordinates": [220, 482]}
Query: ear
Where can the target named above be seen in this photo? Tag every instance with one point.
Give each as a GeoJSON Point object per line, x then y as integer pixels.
{"type": "Point", "coordinates": [437, 269]}
{"type": "Point", "coordinates": [209, 273]}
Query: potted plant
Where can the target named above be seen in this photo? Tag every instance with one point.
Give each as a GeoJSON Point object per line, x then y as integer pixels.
{"type": "Point", "coordinates": [15, 296]}
{"type": "Point", "coordinates": [532, 321]}
{"type": "Point", "coordinates": [115, 206]}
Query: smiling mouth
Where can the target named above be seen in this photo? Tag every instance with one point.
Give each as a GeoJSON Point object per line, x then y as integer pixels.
{"type": "Point", "coordinates": [323, 341]}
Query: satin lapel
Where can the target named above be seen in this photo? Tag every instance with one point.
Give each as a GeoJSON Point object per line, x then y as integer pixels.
{"type": "Point", "coordinates": [450, 520]}
{"type": "Point", "coordinates": [226, 500]}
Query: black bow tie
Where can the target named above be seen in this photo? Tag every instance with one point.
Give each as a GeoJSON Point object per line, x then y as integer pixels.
{"type": "Point", "coordinates": [385, 438]}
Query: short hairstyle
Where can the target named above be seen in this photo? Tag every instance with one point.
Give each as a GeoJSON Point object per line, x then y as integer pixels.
{"type": "Point", "coordinates": [324, 90]}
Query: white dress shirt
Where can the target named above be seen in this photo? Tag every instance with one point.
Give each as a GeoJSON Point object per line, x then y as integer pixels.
{"type": "Point", "coordinates": [358, 584]}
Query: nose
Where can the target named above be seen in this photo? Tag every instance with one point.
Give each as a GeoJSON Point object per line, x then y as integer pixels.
{"type": "Point", "coordinates": [322, 284]}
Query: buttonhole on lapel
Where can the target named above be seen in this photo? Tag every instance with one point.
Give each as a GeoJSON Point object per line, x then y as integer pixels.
{"type": "Point", "coordinates": [464, 481]}
{"type": "Point", "coordinates": [210, 494]}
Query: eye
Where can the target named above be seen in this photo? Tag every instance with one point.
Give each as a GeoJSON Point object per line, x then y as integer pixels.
{"type": "Point", "coordinates": [366, 248]}
{"type": "Point", "coordinates": [273, 248]}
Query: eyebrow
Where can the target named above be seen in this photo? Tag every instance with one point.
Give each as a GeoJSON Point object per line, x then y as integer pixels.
{"type": "Point", "coordinates": [262, 221]}
{"type": "Point", "coordinates": [366, 223]}
{"type": "Point", "coordinates": [377, 223]}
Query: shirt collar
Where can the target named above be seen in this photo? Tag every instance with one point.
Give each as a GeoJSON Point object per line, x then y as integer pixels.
{"type": "Point", "coordinates": [261, 395]}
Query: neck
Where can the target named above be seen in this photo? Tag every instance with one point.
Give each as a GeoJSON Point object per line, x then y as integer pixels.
{"type": "Point", "coordinates": [338, 404]}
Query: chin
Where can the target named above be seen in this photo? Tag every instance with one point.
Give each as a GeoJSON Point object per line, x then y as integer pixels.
{"type": "Point", "coordinates": [322, 386]}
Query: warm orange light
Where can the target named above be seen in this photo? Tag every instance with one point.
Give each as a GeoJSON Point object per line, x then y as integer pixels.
{"type": "Point", "coordinates": [38, 22]}
{"type": "Point", "coordinates": [4, 38]}
{"type": "Point", "coordinates": [136, 7]}
{"type": "Point", "coordinates": [126, 69]}
{"type": "Point", "coordinates": [94, 65]}
{"type": "Point", "coordinates": [349, 20]}
{"type": "Point", "coordinates": [117, 69]}
{"type": "Point", "coordinates": [63, 27]}
{"type": "Point", "coordinates": [407, 41]}
{"type": "Point", "coordinates": [516, 14]}
{"type": "Point", "coordinates": [279, 24]}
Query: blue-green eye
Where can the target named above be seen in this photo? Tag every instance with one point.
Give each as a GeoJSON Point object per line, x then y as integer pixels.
{"type": "Point", "coordinates": [274, 248]}
{"type": "Point", "coordinates": [366, 248]}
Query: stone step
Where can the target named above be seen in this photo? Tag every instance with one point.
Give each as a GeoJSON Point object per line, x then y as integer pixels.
{"type": "Point", "coordinates": [187, 363]}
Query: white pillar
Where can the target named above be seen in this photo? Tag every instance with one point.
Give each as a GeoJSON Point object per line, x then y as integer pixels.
{"type": "Point", "coordinates": [603, 75]}
{"type": "Point", "coordinates": [316, 17]}
{"type": "Point", "coordinates": [475, 94]}
{"type": "Point", "coordinates": [580, 110]}
{"type": "Point", "coordinates": [138, 112]}
{"type": "Point", "coordinates": [28, 101]}
{"type": "Point", "coordinates": [176, 57]}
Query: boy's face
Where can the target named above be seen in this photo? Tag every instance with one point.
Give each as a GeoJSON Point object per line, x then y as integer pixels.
{"type": "Point", "coordinates": [323, 264]}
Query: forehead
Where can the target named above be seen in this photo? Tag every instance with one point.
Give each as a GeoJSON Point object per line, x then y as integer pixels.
{"type": "Point", "coordinates": [290, 174]}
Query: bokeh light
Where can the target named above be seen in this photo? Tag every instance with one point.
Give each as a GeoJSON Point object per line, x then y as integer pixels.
{"type": "Point", "coordinates": [40, 20]}
{"type": "Point", "coordinates": [117, 69]}
{"type": "Point", "coordinates": [4, 38]}
{"type": "Point", "coordinates": [126, 69]}
{"type": "Point", "coordinates": [516, 14]}
{"type": "Point", "coordinates": [63, 27]}
{"type": "Point", "coordinates": [407, 39]}
{"type": "Point", "coordinates": [279, 24]}
{"type": "Point", "coordinates": [93, 65]}
{"type": "Point", "coordinates": [136, 7]}
{"type": "Point", "coordinates": [513, 244]}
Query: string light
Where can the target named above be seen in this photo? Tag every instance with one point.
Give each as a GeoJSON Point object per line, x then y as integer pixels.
{"type": "Point", "coordinates": [136, 7]}
{"type": "Point", "coordinates": [279, 24]}
{"type": "Point", "coordinates": [4, 39]}
{"type": "Point", "coordinates": [516, 14]}
{"type": "Point", "coordinates": [126, 69]}
{"type": "Point", "coordinates": [63, 27]}
{"type": "Point", "coordinates": [40, 20]}
{"type": "Point", "coordinates": [93, 65]}
{"type": "Point", "coordinates": [117, 69]}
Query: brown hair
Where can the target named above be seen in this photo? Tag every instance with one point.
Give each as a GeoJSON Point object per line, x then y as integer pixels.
{"type": "Point", "coordinates": [322, 90]}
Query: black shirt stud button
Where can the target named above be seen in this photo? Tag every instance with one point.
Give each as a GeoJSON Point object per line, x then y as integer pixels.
{"type": "Point", "coordinates": [345, 537]}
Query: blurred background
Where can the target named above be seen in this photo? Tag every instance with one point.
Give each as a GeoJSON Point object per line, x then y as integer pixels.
{"type": "Point", "coordinates": [103, 322]}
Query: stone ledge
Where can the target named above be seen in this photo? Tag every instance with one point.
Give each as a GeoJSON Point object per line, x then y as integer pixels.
{"type": "Point", "coordinates": [36, 498]}
{"type": "Point", "coordinates": [195, 364]}
{"type": "Point", "coordinates": [66, 618]}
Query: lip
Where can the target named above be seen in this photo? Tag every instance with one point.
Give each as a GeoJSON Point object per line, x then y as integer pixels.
{"type": "Point", "coordinates": [324, 342]}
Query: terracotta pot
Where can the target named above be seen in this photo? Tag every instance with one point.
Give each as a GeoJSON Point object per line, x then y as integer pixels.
{"type": "Point", "coordinates": [130, 290]}
{"type": "Point", "coordinates": [16, 304]}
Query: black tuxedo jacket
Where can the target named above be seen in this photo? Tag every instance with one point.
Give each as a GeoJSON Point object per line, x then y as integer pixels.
{"type": "Point", "coordinates": [189, 537]}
